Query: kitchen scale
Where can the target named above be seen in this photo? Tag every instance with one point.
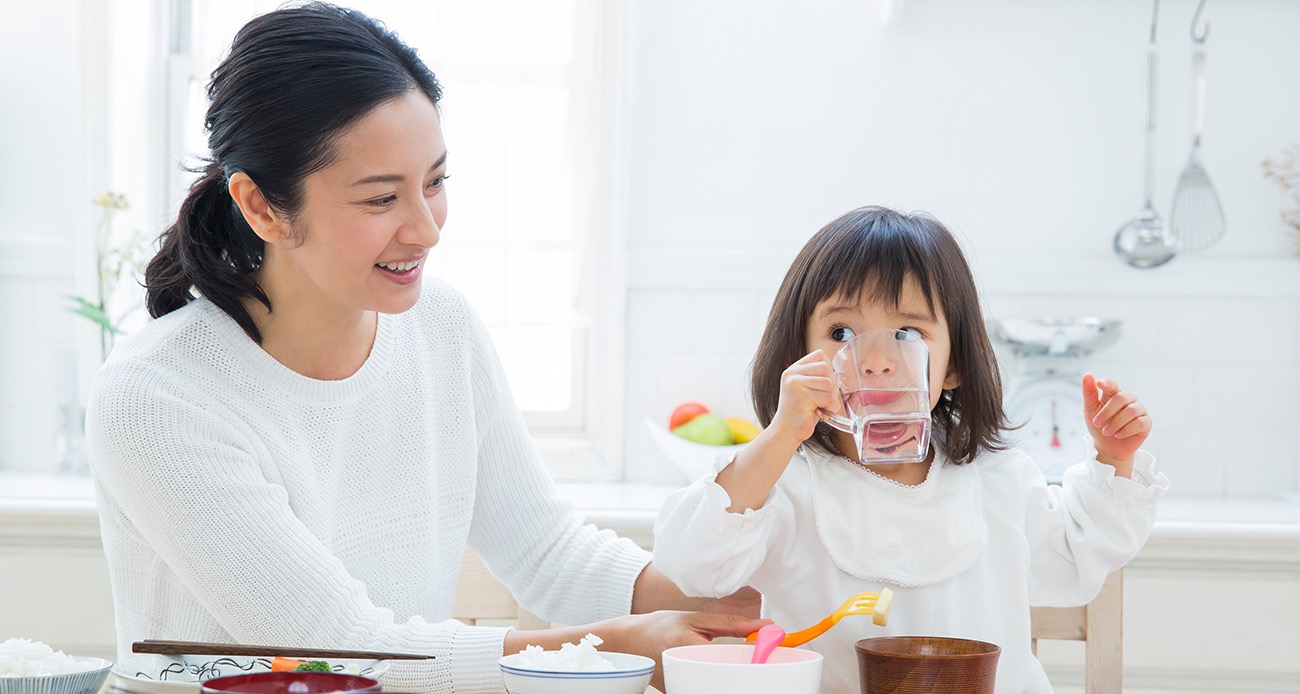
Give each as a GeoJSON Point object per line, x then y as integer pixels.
{"type": "Point", "coordinates": [1044, 392]}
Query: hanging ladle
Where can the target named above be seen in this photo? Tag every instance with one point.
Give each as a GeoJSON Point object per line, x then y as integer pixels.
{"type": "Point", "coordinates": [1143, 241]}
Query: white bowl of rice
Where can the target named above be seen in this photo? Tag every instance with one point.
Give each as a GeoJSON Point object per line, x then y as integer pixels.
{"type": "Point", "coordinates": [31, 667]}
{"type": "Point", "coordinates": [576, 669]}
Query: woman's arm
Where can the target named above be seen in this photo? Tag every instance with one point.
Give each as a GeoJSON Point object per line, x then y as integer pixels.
{"type": "Point", "coordinates": [655, 591]}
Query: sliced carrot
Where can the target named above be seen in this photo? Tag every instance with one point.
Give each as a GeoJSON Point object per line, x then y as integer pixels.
{"type": "Point", "coordinates": [280, 664]}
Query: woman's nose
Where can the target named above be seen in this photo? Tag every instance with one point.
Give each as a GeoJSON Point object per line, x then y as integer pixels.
{"type": "Point", "coordinates": [420, 229]}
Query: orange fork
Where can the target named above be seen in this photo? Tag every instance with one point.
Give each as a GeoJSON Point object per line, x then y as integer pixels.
{"type": "Point", "coordinates": [875, 604]}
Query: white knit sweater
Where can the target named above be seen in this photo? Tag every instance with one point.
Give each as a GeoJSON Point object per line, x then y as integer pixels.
{"type": "Point", "coordinates": [243, 502]}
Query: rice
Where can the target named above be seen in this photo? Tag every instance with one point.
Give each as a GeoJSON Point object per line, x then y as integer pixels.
{"type": "Point", "coordinates": [24, 658]}
{"type": "Point", "coordinates": [581, 657]}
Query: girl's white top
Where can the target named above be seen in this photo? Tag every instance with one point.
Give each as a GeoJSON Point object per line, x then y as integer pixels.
{"type": "Point", "coordinates": [243, 502]}
{"type": "Point", "coordinates": [966, 552]}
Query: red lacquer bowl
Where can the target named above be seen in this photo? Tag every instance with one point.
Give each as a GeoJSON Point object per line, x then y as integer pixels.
{"type": "Point", "coordinates": [290, 683]}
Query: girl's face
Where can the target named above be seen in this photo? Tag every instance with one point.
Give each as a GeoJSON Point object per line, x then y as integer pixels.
{"type": "Point", "coordinates": [838, 319]}
{"type": "Point", "coordinates": [371, 216]}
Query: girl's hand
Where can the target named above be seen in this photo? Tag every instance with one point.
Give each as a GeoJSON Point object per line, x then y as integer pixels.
{"type": "Point", "coordinates": [807, 386]}
{"type": "Point", "coordinates": [1117, 420]}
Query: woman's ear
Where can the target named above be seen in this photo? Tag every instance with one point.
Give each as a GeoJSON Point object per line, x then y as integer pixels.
{"type": "Point", "coordinates": [264, 220]}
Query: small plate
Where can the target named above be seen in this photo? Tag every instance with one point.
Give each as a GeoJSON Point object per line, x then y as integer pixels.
{"type": "Point", "coordinates": [181, 674]}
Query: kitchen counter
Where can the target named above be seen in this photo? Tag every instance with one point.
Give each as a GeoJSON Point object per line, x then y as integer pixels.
{"type": "Point", "coordinates": [66, 503]}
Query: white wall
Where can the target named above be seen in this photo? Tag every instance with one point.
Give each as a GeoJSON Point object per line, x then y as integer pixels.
{"type": "Point", "coordinates": [1020, 125]}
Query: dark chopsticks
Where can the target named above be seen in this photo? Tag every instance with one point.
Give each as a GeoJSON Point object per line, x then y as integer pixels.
{"type": "Point", "coordinates": [164, 647]}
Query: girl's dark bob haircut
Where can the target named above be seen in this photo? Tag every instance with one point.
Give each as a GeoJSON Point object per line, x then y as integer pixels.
{"type": "Point", "coordinates": [869, 253]}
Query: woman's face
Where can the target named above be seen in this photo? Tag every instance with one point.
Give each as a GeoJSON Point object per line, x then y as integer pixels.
{"type": "Point", "coordinates": [371, 216]}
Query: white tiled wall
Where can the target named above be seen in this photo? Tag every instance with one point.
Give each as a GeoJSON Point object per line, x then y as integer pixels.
{"type": "Point", "coordinates": [1220, 375]}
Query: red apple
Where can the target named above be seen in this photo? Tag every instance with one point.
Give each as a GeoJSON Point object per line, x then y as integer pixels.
{"type": "Point", "coordinates": [685, 412]}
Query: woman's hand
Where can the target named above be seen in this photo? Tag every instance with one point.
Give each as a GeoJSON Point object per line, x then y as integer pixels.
{"type": "Point", "coordinates": [651, 634]}
{"type": "Point", "coordinates": [1117, 420]}
{"type": "Point", "coordinates": [807, 387]}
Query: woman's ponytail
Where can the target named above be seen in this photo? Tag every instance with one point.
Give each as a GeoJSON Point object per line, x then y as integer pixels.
{"type": "Point", "coordinates": [210, 249]}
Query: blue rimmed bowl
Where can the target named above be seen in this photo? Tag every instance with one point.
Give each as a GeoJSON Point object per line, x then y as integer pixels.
{"type": "Point", "coordinates": [85, 682]}
{"type": "Point", "coordinates": [631, 675]}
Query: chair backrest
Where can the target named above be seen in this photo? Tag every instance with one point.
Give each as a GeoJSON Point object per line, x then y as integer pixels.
{"type": "Point", "coordinates": [480, 596]}
{"type": "Point", "coordinates": [1100, 625]}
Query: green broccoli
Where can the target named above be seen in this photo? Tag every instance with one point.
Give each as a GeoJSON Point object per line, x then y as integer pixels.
{"type": "Point", "coordinates": [314, 666]}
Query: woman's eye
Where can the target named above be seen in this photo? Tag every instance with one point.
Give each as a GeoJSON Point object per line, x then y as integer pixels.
{"type": "Point", "coordinates": [436, 183]}
{"type": "Point", "coordinates": [841, 333]}
{"type": "Point", "coordinates": [382, 202]}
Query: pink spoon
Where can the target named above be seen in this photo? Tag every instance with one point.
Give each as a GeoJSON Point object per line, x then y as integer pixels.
{"type": "Point", "coordinates": [769, 637]}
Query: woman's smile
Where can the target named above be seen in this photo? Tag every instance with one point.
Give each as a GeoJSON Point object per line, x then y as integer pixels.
{"type": "Point", "coordinates": [402, 271]}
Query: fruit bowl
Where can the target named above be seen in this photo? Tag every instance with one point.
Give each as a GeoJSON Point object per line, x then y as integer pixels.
{"type": "Point", "coordinates": [694, 460]}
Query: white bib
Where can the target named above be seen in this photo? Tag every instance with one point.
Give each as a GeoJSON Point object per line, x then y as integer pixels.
{"type": "Point", "coordinates": [879, 530]}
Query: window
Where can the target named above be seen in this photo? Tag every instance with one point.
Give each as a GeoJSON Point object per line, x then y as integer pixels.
{"type": "Point", "coordinates": [528, 115]}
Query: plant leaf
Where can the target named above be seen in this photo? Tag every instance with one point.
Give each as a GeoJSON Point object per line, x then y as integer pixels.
{"type": "Point", "coordinates": [94, 313]}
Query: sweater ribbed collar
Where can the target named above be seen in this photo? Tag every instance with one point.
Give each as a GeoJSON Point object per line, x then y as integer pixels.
{"type": "Point", "coordinates": [263, 366]}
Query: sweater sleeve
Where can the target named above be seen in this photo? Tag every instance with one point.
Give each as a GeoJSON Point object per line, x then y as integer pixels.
{"type": "Point", "coordinates": [188, 482]}
{"type": "Point", "coordinates": [555, 565]}
{"type": "Point", "coordinates": [1088, 527]}
{"type": "Point", "coordinates": [710, 552]}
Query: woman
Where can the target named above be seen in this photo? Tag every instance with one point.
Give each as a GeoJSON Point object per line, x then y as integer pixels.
{"type": "Point", "coordinates": [301, 454]}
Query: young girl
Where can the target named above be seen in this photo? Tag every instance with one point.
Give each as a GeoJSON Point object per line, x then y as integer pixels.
{"type": "Point", "coordinates": [969, 538]}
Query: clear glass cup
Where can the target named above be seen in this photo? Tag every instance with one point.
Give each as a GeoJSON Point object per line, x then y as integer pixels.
{"type": "Point", "coordinates": [884, 382]}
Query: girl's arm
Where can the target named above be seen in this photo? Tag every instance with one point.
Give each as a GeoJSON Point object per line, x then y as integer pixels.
{"type": "Point", "coordinates": [1080, 532]}
{"type": "Point", "coordinates": [1104, 511]}
{"type": "Point", "coordinates": [807, 387]}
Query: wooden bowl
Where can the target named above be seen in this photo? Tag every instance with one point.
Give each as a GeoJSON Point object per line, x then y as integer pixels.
{"type": "Point", "coordinates": [926, 665]}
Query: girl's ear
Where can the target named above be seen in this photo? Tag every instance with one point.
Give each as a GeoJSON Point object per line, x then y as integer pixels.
{"type": "Point", "coordinates": [952, 380]}
{"type": "Point", "coordinates": [265, 222]}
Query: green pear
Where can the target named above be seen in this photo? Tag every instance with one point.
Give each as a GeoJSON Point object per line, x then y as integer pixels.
{"type": "Point", "coordinates": [706, 428]}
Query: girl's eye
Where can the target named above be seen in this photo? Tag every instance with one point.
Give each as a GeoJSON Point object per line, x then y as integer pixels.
{"type": "Point", "coordinates": [842, 333]}
{"type": "Point", "coordinates": [909, 334]}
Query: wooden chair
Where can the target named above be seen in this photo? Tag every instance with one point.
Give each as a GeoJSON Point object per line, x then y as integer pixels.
{"type": "Point", "coordinates": [480, 596]}
{"type": "Point", "coordinates": [1100, 625]}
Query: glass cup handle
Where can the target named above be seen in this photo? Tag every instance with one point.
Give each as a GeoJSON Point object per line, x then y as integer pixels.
{"type": "Point", "coordinates": [838, 421]}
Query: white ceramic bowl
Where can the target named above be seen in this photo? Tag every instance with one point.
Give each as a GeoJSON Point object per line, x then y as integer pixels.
{"type": "Point", "coordinates": [694, 460]}
{"type": "Point", "coordinates": [86, 682]}
{"type": "Point", "coordinates": [630, 676]}
{"type": "Point", "coordinates": [715, 668]}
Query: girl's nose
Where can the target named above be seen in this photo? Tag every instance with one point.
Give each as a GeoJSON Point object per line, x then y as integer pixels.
{"type": "Point", "coordinates": [878, 366]}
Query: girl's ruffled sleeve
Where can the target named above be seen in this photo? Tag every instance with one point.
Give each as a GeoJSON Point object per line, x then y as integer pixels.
{"type": "Point", "coordinates": [710, 552]}
{"type": "Point", "coordinates": [1091, 525]}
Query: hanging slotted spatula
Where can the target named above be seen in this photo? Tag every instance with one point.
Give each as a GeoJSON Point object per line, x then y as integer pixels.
{"type": "Point", "coordinates": [1196, 218]}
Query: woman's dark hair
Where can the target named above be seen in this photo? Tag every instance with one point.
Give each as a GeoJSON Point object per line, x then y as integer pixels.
{"type": "Point", "coordinates": [294, 81]}
{"type": "Point", "coordinates": [869, 253]}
